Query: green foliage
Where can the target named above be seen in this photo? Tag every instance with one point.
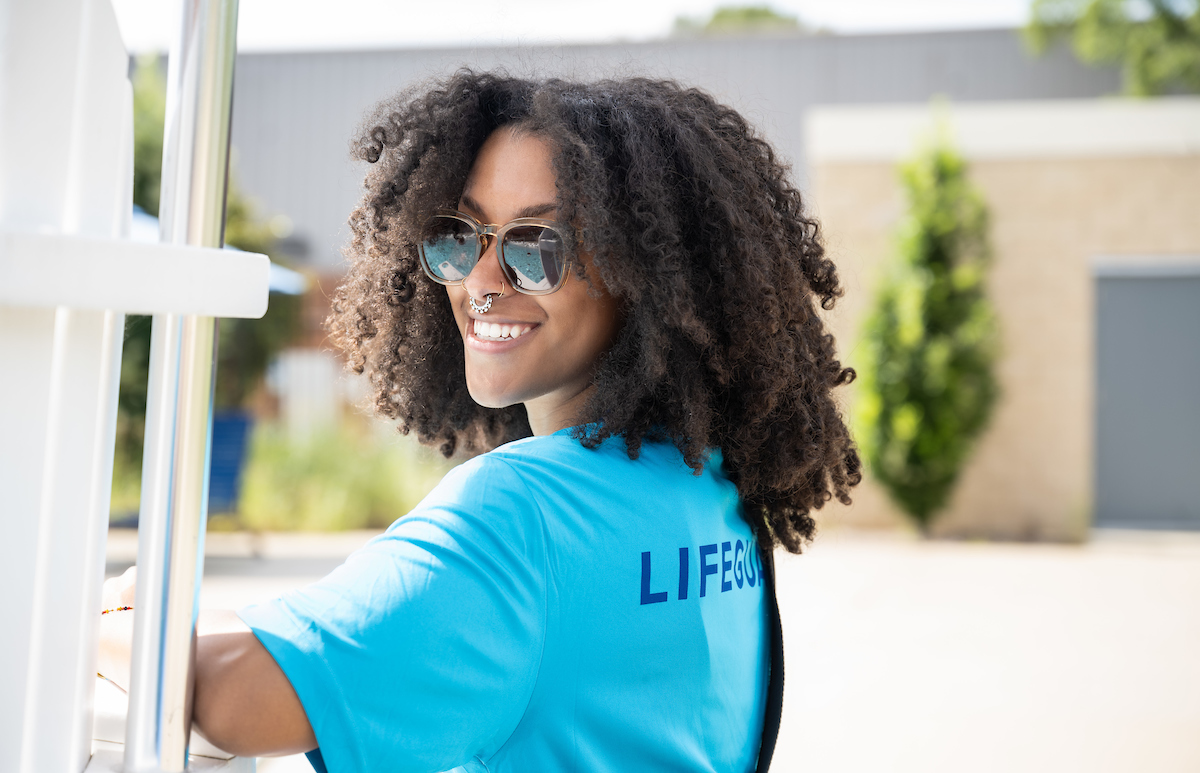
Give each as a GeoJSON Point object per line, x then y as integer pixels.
{"type": "Point", "coordinates": [1157, 42]}
{"type": "Point", "coordinates": [149, 107]}
{"type": "Point", "coordinates": [739, 20]}
{"type": "Point", "coordinates": [926, 381]}
{"type": "Point", "coordinates": [127, 468]}
{"type": "Point", "coordinates": [343, 478]}
{"type": "Point", "coordinates": [131, 411]}
{"type": "Point", "coordinates": [246, 346]}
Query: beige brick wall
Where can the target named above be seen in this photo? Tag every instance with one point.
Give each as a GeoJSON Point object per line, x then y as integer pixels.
{"type": "Point", "coordinates": [1031, 474]}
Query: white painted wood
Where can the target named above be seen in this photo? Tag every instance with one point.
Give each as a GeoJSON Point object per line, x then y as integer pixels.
{"type": "Point", "coordinates": [136, 278]}
{"type": "Point", "coordinates": [26, 343]}
{"type": "Point", "coordinates": [67, 274]}
{"type": "Point", "coordinates": [109, 758]}
{"type": "Point", "coordinates": [43, 45]}
{"type": "Point", "coordinates": [112, 709]}
{"type": "Point", "coordinates": [77, 472]}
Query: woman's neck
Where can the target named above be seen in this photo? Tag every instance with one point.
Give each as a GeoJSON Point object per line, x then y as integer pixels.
{"type": "Point", "coordinates": [552, 412]}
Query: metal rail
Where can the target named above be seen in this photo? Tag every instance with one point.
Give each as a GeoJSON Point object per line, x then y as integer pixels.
{"type": "Point", "coordinates": [179, 410]}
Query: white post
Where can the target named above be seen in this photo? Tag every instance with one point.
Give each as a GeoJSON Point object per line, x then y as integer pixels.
{"type": "Point", "coordinates": [179, 409]}
{"type": "Point", "coordinates": [67, 277]}
{"type": "Point", "coordinates": [65, 168]}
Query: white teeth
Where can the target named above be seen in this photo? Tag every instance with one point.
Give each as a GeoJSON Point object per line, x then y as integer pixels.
{"type": "Point", "coordinates": [497, 332]}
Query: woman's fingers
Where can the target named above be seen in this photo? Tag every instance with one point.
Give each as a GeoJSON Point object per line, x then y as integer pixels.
{"type": "Point", "coordinates": [120, 591]}
{"type": "Point", "coordinates": [128, 586]}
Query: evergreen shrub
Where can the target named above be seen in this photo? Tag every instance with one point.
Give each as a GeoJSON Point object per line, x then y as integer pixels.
{"type": "Point", "coordinates": [926, 382]}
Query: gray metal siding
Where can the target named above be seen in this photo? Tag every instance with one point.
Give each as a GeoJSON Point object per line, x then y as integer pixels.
{"type": "Point", "coordinates": [294, 114]}
{"type": "Point", "coordinates": [1147, 388]}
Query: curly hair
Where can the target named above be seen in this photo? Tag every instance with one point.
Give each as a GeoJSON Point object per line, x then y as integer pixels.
{"type": "Point", "coordinates": [692, 226]}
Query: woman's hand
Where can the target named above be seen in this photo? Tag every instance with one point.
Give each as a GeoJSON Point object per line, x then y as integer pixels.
{"type": "Point", "coordinates": [119, 591]}
{"type": "Point", "coordinates": [243, 701]}
{"type": "Point", "coordinates": [116, 628]}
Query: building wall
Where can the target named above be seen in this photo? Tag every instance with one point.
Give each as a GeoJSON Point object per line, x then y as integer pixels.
{"type": "Point", "coordinates": [1052, 213]}
{"type": "Point", "coordinates": [294, 114]}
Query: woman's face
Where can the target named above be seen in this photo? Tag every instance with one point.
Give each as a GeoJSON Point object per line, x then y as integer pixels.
{"type": "Point", "coordinates": [549, 365]}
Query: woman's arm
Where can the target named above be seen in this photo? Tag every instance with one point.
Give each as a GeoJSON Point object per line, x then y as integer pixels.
{"type": "Point", "coordinates": [244, 703]}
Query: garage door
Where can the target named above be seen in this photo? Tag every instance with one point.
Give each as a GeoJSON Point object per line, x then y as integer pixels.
{"type": "Point", "coordinates": [1148, 397]}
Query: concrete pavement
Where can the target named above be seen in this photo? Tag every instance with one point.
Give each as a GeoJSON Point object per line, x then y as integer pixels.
{"type": "Point", "coordinates": [933, 656]}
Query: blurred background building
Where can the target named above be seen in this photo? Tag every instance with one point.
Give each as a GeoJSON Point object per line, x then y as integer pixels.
{"type": "Point", "coordinates": [1091, 198]}
{"type": "Point", "coordinates": [1072, 174]}
{"type": "Point", "coordinates": [1095, 277]}
{"type": "Point", "coordinates": [295, 113]}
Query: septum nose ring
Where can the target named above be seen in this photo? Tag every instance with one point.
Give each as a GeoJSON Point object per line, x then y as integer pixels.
{"type": "Point", "coordinates": [482, 308]}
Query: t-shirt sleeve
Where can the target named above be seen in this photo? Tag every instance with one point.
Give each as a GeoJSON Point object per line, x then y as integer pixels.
{"type": "Point", "coordinates": [422, 650]}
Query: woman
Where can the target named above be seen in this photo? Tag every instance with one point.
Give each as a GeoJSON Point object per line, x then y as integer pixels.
{"type": "Point", "coordinates": [612, 290]}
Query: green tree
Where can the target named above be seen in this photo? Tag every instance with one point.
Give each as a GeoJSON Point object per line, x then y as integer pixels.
{"type": "Point", "coordinates": [149, 106]}
{"type": "Point", "coordinates": [1156, 42]}
{"type": "Point", "coordinates": [739, 20]}
{"type": "Point", "coordinates": [926, 382]}
{"type": "Point", "coordinates": [246, 346]}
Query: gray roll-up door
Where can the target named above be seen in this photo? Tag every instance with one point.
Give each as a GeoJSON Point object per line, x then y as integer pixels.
{"type": "Point", "coordinates": [1148, 398]}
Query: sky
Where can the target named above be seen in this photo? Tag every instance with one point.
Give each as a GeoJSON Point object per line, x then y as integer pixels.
{"type": "Point", "coordinates": [297, 25]}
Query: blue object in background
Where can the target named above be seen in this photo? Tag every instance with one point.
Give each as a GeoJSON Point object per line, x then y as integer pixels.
{"type": "Point", "coordinates": [230, 432]}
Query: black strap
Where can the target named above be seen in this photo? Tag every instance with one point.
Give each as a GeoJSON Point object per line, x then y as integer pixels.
{"type": "Point", "coordinates": [770, 731]}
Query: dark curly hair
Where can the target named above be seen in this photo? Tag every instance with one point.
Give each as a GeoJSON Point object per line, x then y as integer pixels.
{"type": "Point", "coordinates": [693, 228]}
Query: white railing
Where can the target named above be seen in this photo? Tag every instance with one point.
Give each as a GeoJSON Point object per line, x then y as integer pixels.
{"type": "Point", "coordinates": [68, 275]}
{"type": "Point", "coordinates": [174, 499]}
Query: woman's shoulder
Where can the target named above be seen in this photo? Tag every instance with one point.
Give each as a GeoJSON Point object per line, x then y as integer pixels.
{"type": "Point", "coordinates": [531, 479]}
{"type": "Point", "coordinates": [486, 499]}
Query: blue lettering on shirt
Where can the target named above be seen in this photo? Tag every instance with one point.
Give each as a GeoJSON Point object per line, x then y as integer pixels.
{"type": "Point", "coordinates": [647, 596]}
{"type": "Point", "coordinates": [683, 573]}
{"type": "Point", "coordinates": [742, 566]}
{"type": "Point", "coordinates": [726, 585]}
{"type": "Point", "coordinates": [705, 568]}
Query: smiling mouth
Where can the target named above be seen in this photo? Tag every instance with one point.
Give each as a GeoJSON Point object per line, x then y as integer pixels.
{"type": "Point", "coordinates": [495, 331]}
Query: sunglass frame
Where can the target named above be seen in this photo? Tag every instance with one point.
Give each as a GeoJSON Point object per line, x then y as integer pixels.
{"type": "Point", "coordinates": [498, 232]}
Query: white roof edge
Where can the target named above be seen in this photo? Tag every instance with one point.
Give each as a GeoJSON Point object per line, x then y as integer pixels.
{"type": "Point", "coordinates": [1030, 129]}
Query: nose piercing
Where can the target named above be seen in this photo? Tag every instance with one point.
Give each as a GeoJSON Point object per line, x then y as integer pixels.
{"type": "Point", "coordinates": [481, 309]}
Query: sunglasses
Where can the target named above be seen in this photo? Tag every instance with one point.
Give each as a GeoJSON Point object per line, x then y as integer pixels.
{"type": "Point", "coordinates": [531, 250]}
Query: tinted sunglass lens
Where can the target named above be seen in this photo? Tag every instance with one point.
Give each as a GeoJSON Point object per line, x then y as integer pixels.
{"type": "Point", "coordinates": [534, 255]}
{"type": "Point", "coordinates": [450, 247]}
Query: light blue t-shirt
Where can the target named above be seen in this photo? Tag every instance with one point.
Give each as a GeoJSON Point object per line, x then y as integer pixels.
{"type": "Point", "coordinates": [546, 608]}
